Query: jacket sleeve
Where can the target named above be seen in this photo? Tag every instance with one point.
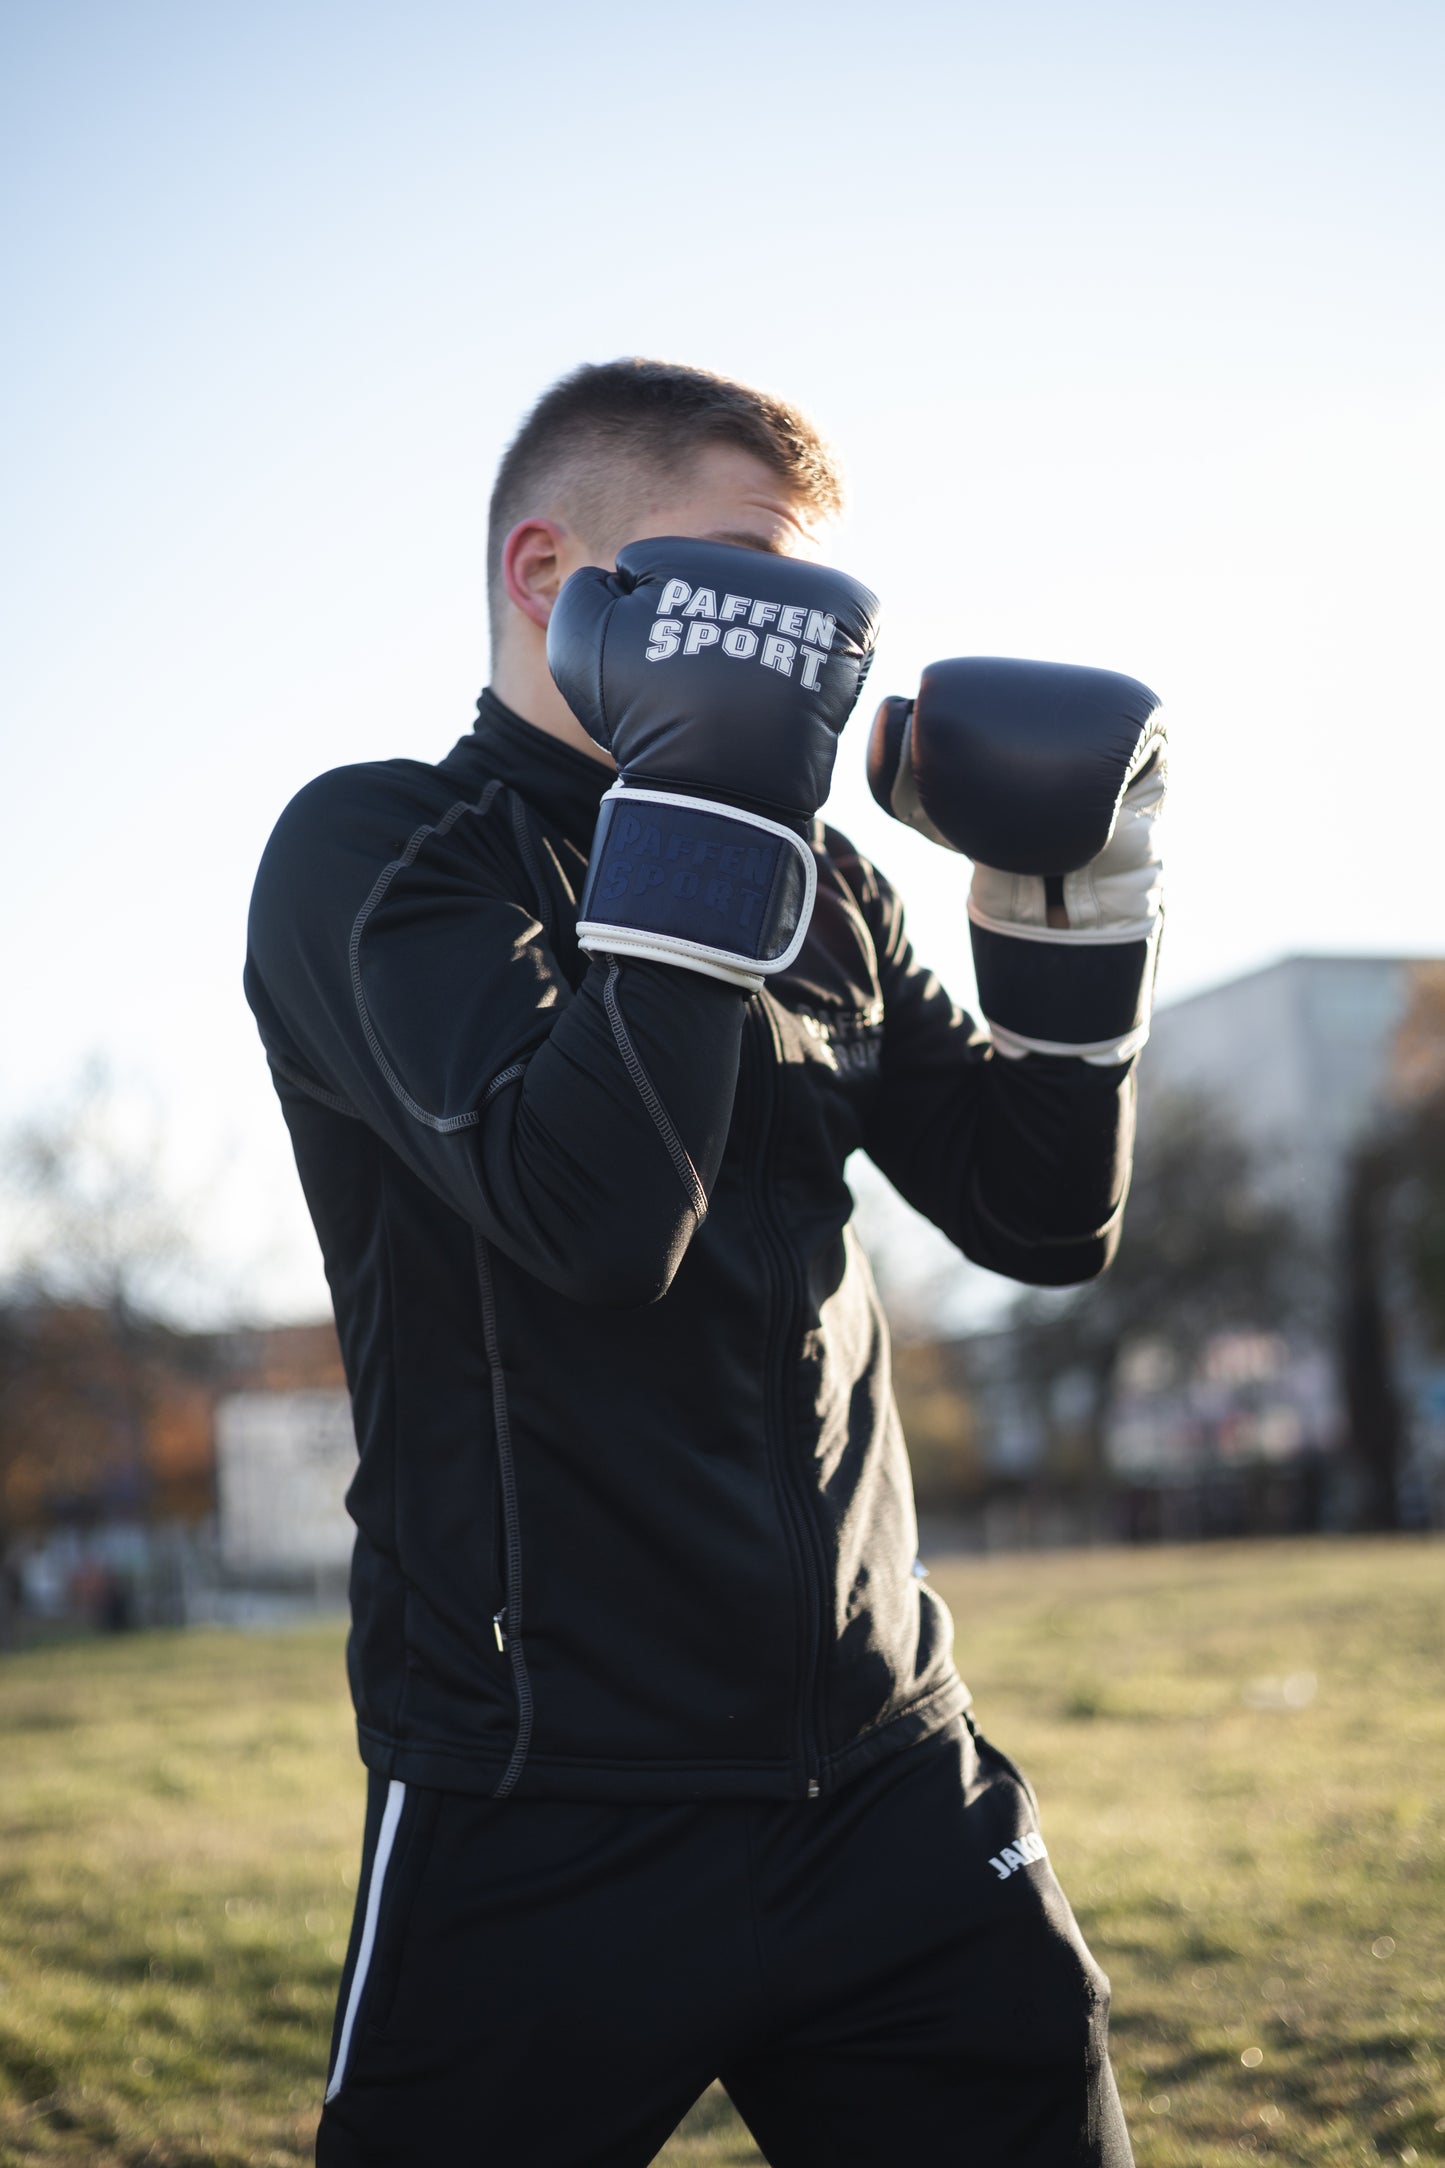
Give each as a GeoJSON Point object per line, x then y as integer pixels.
{"type": "Point", "coordinates": [399, 975]}
{"type": "Point", "coordinates": [1023, 1164]}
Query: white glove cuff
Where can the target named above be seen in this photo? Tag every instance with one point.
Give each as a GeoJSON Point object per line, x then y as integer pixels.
{"type": "Point", "coordinates": [1104, 1054]}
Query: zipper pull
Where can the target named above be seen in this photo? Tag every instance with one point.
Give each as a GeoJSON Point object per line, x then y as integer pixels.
{"type": "Point", "coordinates": [813, 1788]}
{"type": "Point", "coordinates": [497, 1628]}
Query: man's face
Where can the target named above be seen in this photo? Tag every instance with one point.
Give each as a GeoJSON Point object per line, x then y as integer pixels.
{"type": "Point", "coordinates": [724, 494]}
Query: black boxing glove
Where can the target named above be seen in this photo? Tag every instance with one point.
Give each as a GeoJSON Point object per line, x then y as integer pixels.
{"type": "Point", "coordinates": [1051, 779]}
{"type": "Point", "coordinates": [718, 679]}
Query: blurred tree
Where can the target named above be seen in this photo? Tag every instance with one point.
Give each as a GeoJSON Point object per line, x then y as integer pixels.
{"type": "Point", "coordinates": [1204, 1248]}
{"type": "Point", "coordinates": [1423, 1213]}
{"type": "Point", "coordinates": [931, 1388]}
{"type": "Point", "coordinates": [1366, 1328]}
{"type": "Point", "coordinates": [1392, 1246]}
{"type": "Point", "coordinates": [1418, 1098]}
{"type": "Point", "coordinates": [91, 1218]}
{"type": "Point", "coordinates": [74, 1398]}
{"type": "Point", "coordinates": [95, 1249]}
{"type": "Point", "coordinates": [1417, 1056]}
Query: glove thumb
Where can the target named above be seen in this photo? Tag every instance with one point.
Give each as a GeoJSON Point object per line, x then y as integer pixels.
{"type": "Point", "coordinates": [574, 645]}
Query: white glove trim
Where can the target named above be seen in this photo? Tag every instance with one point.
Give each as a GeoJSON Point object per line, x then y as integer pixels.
{"type": "Point", "coordinates": [619, 942]}
{"type": "Point", "coordinates": [1141, 929]}
{"type": "Point", "coordinates": [904, 799]}
{"type": "Point", "coordinates": [1098, 1053]}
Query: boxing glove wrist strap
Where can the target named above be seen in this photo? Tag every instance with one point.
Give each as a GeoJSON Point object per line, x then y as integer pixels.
{"type": "Point", "coordinates": [1050, 993]}
{"type": "Point", "coordinates": [689, 881]}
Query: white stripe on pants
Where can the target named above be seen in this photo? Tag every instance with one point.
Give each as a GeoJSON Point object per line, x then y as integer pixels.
{"type": "Point", "coordinates": [395, 1794]}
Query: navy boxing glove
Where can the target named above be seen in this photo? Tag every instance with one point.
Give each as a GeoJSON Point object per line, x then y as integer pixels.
{"type": "Point", "coordinates": [1051, 779]}
{"type": "Point", "coordinates": [718, 678]}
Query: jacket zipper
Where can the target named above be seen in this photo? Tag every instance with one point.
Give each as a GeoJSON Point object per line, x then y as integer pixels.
{"type": "Point", "coordinates": [795, 1494]}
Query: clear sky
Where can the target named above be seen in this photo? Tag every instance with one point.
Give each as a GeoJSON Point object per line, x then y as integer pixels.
{"type": "Point", "coordinates": [1128, 322]}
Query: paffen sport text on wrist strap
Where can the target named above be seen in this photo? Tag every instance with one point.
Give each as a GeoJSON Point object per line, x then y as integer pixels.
{"type": "Point", "coordinates": [693, 882]}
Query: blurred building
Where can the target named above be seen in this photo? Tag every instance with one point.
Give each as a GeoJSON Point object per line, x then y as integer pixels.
{"type": "Point", "coordinates": [1305, 1059]}
{"type": "Point", "coordinates": [120, 1500]}
{"type": "Point", "coordinates": [1299, 1055]}
{"type": "Point", "coordinates": [283, 1464]}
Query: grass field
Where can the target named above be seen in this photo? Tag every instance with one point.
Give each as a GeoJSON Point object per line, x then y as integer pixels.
{"type": "Point", "coordinates": [1240, 1753]}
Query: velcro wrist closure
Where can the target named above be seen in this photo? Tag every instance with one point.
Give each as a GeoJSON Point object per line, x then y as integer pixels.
{"type": "Point", "coordinates": [1060, 997]}
{"type": "Point", "coordinates": [688, 881]}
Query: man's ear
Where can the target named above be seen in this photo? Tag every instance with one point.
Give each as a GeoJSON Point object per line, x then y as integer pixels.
{"type": "Point", "coordinates": [532, 567]}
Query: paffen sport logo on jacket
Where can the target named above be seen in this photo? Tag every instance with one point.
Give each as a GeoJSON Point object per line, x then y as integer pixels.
{"type": "Point", "coordinates": [691, 619]}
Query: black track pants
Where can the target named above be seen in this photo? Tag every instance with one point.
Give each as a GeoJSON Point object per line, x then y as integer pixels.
{"type": "Point", "coordinates": [885, 1976]}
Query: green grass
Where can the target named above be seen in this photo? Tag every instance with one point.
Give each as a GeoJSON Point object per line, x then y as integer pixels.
{"type": "Point", "coordinates": [1257, 1863]}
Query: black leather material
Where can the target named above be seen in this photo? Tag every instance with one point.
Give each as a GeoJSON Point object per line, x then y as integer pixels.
{"type": "Point", "coordinates": [1018, 765]}
{"type": "Point", "coordinates": [885, 748]}
{"type": "Point", "coordinates": [1069, 994]}
{"type": "Point", "coordinates": [705, 668]}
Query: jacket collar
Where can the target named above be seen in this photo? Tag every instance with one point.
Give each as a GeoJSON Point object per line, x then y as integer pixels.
{"type": "Point", "coordinates": [563, 785]}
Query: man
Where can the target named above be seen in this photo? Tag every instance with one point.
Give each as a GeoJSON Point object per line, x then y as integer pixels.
{"type": "Point", "coordinates": [671, 1773]}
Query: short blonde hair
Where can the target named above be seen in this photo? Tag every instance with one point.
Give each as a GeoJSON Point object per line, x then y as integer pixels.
{"type": "Point", "coordinates": [598, 425]}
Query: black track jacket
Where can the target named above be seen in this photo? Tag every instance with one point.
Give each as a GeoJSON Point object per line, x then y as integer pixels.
{"type": "Point", "coordinates": [634, 1518]}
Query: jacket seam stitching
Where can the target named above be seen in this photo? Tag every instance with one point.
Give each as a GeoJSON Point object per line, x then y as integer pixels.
{"type": "Point", "coordinates": [677, 1151]}
{"type": "Point", "coordinates": [506, 1076]}
{"type": "Point", "coordinates": [384, 1202]}
{"type": "Point", "coordinates": [511, 1526]}
{"type": "Point", "coordinates": [445, 1124]}
{"type": "Point", "coordinates": [288, 1075]}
